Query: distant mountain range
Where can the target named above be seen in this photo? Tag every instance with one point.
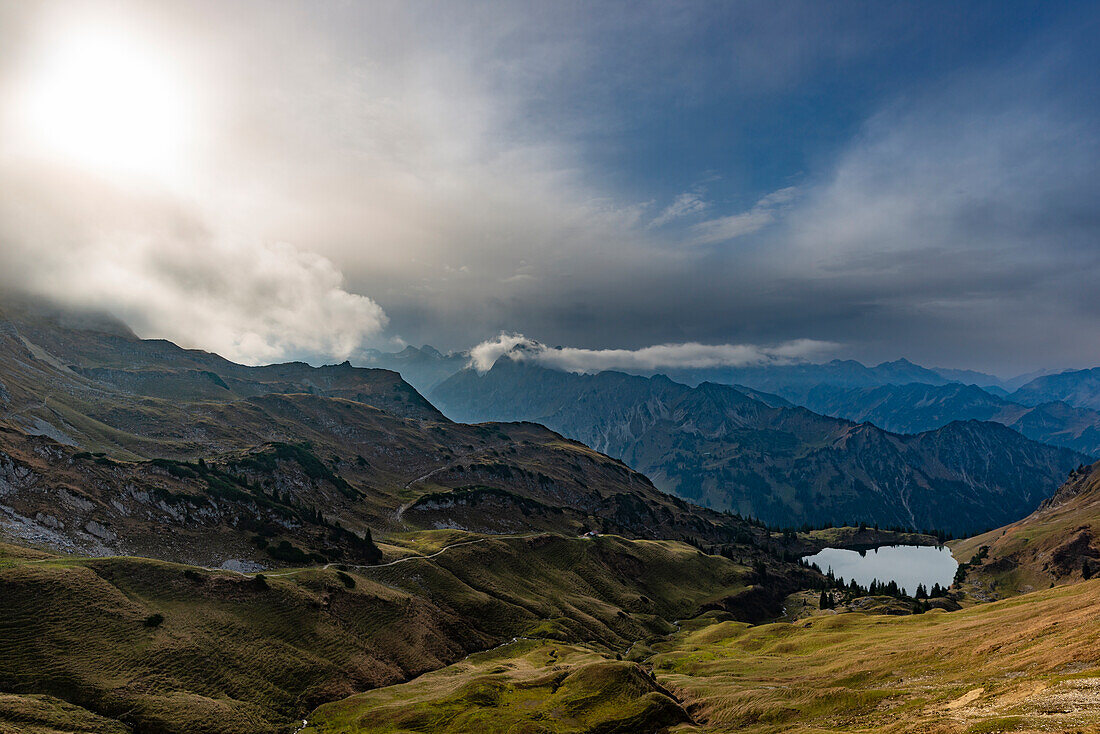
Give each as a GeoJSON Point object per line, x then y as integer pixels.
{"type": "Point", "coordinates": [1079, 388]}
{"type": "Point", "coordinates": [794, 381]}
{"type": "Point", "coordinates": [900, 396]}
{"type": "Point", "coordinates": [423, 367]}
{"type": "Point", "coordinates": [916, 407]}
{"type": "Point", "coordinates": [720, 446]}
{"type": "Point", "coordinates": [426, 367]}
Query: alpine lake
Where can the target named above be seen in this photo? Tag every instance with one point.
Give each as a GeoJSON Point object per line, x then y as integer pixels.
{"type": "Point", "coordinates": [908, 565]}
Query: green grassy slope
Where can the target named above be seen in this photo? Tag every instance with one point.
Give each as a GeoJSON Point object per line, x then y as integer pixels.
{"type": "Point", "coordinates": [528, 686]}
{"type": "Point", "coordinates": [1026, 664]}
{"type": "Point", "coordinates": [1031, 664]}
{"type": "Point", "coordinates": [230, 653]}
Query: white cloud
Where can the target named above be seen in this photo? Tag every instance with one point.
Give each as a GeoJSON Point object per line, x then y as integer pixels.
{"type": "Point", "coordinates": [379, 160]}
{"type": "Point", "coordinates": [170, 273]}
{"type": "Point", "coordinates": [731, 227]}
{"type": "Point", "coordinates": [485, 354]}
{"type": "Point", "coordinates": [688, 355]}
{"type": "Point", "coordinates": [761, 215]}
{"type": "Point", "coordinates": [779, 197]}
{"type": "Point", "coordinates": [686, 204]}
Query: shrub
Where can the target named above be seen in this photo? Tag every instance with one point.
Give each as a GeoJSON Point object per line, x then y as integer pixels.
{"type": "Point", "coordinates": [288, 553]}
{"type": "Point", "coordinates": [154, 620]}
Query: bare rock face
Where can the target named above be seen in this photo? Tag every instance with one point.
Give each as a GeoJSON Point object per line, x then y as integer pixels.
{"type": "Point", "coordinates": [14, 475]}
{"type": "Point", "coordinates": [1080, 481]}
{"type": "Point", "coordinates": [1073, 554]}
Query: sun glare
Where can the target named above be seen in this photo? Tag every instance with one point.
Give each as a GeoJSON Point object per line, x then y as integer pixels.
{"type": "Point", "coordinates": [107, 103]}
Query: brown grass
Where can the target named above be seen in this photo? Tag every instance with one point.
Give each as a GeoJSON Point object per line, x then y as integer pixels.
{"type": "Point", "coordinates": [992, 667]}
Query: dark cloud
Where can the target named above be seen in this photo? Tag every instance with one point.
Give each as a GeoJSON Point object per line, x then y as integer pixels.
{"type": "Point", "coordinates": [608, 176]}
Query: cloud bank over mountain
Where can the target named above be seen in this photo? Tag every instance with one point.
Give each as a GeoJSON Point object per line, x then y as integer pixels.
{"type": "Point", "coordinates": [169, 272]}
{"type": "Point", "coordinates": [656, 357]}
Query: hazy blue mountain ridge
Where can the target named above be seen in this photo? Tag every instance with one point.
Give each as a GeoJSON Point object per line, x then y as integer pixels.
{"type": "Point", "coordinates": [715, 445]}
{"type": "Point", "coordinates": [916, 407]}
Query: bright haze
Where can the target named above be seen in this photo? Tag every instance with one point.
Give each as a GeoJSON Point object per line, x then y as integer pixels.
{"type": "Point", "coordinates": [639, 183]}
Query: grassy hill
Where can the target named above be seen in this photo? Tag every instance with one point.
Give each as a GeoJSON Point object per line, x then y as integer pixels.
{"type": "Point", "coordinates": [151, 646]}
{"type": "Point", "coordinates": [526, 686]}
{"type": "Point", "coordinates": [1056, 544]}
{"type": "Point", "coordinates": [127, 645]}
{"type": "Point", "coordinates": [1030, 664]}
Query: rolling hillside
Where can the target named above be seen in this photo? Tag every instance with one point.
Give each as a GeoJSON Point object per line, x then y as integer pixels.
{"type": "Point", "coordinates": [264, 465]}
{"type": "Point", "coordinates": [1029, 665]}
{"type": "Point", "coordinates": [135, 645]}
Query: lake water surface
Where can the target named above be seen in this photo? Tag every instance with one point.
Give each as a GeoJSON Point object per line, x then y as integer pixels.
{"type": "Point", "coordinates": [908, 565]}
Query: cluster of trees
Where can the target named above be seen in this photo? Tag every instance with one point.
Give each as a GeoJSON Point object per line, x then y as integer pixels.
{"type": "Point", "coordinates": [746, 551]}
{"type": "Point", "coordinates": [338, 543]}
{"type": "Point", "coordinates": [790, 532]}
{"type": "Point", "coordinates": [923, 593]}
{"type": "Point", "coordinates": [835, 590]}
{"type": "Point", "coordinates": [975, 560]}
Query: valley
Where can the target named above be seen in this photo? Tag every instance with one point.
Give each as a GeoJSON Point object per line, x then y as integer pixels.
{"type": "Point", "coordinates": [189, 545]}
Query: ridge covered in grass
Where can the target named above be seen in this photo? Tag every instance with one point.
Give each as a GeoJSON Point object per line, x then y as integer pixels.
{"type": "Point", "coordinates": [528, 686]}
{"type": "Point", "coordinates": [238, 653]}
{"type": "Point", "coordinates": [1031, 664]}
{"type": "Point", "coordinates": [1027, 664]}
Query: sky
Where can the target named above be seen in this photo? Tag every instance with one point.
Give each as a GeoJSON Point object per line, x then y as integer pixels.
{"type": "Point", "coordinates": [732, 182]}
